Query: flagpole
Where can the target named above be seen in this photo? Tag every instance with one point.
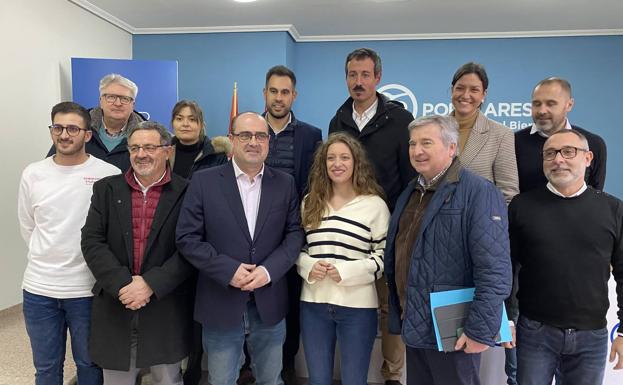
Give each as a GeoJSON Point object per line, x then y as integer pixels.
{"type": "Point", "coordinates": [234, 106]}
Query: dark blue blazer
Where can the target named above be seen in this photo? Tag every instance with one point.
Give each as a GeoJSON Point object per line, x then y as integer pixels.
{"type": "Point", "coordinates": [212, 234]}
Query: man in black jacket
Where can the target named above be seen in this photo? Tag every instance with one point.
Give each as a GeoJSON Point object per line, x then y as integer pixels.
{"type": "Point", "coordinates": [111, 121]}
{"type": "Point", "coordinates": [381, 127]}
{"type": "Point", "coordinates": [142, 304]}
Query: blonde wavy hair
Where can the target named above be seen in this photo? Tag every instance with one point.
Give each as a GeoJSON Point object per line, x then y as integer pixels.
{"type": "Point", "coordinates": [321, 187]}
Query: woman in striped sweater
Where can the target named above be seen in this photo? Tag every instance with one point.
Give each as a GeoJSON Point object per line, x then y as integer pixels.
{"type": "Point", "coordinates": [345, 221]}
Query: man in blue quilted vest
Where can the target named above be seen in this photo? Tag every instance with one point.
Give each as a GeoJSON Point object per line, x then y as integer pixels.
{"type": "Point", "coordinates": [449, 230]}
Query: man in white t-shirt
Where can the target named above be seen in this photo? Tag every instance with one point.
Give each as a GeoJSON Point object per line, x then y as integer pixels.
{"type": "Point", "coordinates": [53, 201]}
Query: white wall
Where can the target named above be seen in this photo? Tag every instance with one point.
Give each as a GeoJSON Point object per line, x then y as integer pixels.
{"type": "Point", "coordinates": [37, 40]}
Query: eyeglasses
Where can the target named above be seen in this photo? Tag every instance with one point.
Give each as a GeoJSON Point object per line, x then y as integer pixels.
{"type": "Point", "coordinates": [72, 130]}
{"type": "Point", "coordinates": [246, 136]}
{"type": "Point", "coordinates": [567, 152]}
{"type": "Point", "coordinates": [111, 98]}
{"type": "Point", "coordinates": [148, 148]}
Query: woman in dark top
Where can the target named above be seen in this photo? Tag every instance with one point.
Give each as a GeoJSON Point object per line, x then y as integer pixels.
{"type": "Point", "coordinates": [193, 149]}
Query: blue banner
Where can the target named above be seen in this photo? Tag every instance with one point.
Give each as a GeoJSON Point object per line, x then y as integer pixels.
{"type": "Point", "coordinates": [156, 81]}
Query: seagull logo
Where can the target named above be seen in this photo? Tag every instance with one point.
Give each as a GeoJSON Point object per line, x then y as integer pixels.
{"type": "Point", "coordinates": [401, 94]}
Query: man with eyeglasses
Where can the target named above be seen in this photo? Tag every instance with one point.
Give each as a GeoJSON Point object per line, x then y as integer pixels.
{"type": "Point", "coordinates": [240, 227]}
{"type": "Point", "coordinates": [552, 100]}
{"type": "Point", "coordinates": [142, 309]}
{"type": "Point", "coordinates": [53, 201]}
{"type": "Point", "coordinates": [111, 121]}
{"type": "Point", "coordinates": [566, 237]}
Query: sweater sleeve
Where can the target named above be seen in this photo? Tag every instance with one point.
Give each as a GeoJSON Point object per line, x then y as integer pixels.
{"type": "Point", "coordinates": [25, 211]}
{"type": "Point", "coordinates": [304, 265]}
{"type": "Point", "coordinates": [365, 271]}
{"type": "Point", "coordinates": [597, 176]}
{"type": "Point", "coordinates": [512, 304]}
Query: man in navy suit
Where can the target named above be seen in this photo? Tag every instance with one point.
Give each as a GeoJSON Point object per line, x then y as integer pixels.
{"type": "Point", "coordinates": [240, 227]}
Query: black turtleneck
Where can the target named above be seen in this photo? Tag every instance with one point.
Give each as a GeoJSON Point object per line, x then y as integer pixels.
{"type": "Point", "coordinates": [185, 156]}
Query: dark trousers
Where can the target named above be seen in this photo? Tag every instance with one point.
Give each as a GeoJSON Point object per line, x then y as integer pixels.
{"type": "Point", "coordinates": [431, 367]}
{"type": "Point", "coordinates": [293, 327]}
{"type": "Point", "coordinates": [510, 366]}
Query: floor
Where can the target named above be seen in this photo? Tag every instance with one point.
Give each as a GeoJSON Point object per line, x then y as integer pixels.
{"type": "Point", "coordinates": [16, 366]}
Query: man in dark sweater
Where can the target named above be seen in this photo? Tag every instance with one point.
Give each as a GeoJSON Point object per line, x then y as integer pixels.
{"type": "Point", "coordinates": [291, 149]}
{"type": "Point", "coordinates": [551, 102]}
{"type": "Point", "coordinates": [565, 239]}
{"type": "Point", "coordinates": [381, 127]}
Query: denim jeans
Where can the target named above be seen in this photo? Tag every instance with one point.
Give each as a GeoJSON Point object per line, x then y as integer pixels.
{"type": "Point", "coordinates": [47, 320]}
{"type": "Point", "coordinates": [265, 344]}
{"type": "Point", "coordinates": [580, 355]}
{"type": "Point", "coordinates": [354, 330]}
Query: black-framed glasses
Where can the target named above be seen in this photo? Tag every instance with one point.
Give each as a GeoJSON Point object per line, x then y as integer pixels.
{"type": "Point", "coordinates": [72, 130]}
{"type": "Point", "coordinates": [246, 136]}
{"type": "Point", "coordinates": [567, 152]}
{"type": "Point", "coordinates": [111, 98]}
{"type": "Point", "coordinates": [148, 148]}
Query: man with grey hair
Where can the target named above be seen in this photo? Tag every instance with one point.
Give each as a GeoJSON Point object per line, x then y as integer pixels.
{"type": "Point", "coordinates": [142, 307]}
{"type": "Point", "coordinates": [449, 231]}
{"type": "Point", "coordinates": [111, 121]}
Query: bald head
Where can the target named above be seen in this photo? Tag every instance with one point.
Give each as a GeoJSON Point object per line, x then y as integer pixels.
{"type": "Point", "coordinates": [551, 102]}
{"type": "Point", "coordinates": [245, 118]}
{"type": "Point", "coordinates": [249, 136]}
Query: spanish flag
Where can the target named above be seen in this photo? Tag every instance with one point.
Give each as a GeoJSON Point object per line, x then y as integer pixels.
{"type": "Point", "coordinates": [234, 106]}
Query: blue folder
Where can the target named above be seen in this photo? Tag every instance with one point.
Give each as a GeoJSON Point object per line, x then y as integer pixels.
{"type": "Point", "coordinates": [449, 311]}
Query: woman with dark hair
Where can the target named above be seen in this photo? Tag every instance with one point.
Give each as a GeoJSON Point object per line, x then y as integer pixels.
{"type": "Point", "coordinates": [193, 149]}
{"type": "Point", "coordinates": [485, 147]}
{"type": "Point", "coordinates": [345, 221]}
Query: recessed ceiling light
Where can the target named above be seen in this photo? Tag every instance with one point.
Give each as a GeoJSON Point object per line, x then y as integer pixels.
{"type": "Point", "coordinates": [244, 1]}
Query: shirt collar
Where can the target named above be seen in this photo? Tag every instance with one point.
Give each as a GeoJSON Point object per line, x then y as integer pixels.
{"type": "Point", "coordinates": [285, 127]}
{"type": "Point", "coordinates": [553, 189]}
{"type": "Point", "coordinates": [369, 112]}
{"type": "Point", "coordinates": [535, 130]}
{"type": "Point", "coordinates": [238, 172]}
{"type": "Point", "coordinates": [427, 185]}
{"type": "Point", "coordinates": [145, 188]}
{"type": "Point", "coordinates": [118, 134]}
